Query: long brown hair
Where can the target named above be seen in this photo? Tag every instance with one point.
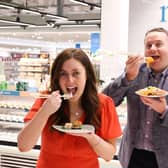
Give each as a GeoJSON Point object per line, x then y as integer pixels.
{"type": "Point", "coordinates": [89, 99]}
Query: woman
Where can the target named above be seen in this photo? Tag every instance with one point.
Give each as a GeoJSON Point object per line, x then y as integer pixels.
{"type": "Point", "coordinates": [72, 72]}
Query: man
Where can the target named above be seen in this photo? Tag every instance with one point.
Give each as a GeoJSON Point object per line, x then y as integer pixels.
{"type": "Point", "coordinates": [145, 139]}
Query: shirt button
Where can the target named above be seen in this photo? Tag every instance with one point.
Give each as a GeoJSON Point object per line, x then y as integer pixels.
{"type": "Point", "coordinates": [146, 148]}
{"type": "Point", "coordinates": [148, 122]}
{"type": "Point", "coordinates": [149, 108]}
{"type": "Point", "coordinates": [146, 136]}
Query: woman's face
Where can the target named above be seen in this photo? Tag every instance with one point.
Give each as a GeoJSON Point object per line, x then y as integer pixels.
{"type": "Point", "coordinates": [73, 78]}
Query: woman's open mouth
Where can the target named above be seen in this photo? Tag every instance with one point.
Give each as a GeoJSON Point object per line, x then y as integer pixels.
{"type": "Point", "coordinates": [72, 90]}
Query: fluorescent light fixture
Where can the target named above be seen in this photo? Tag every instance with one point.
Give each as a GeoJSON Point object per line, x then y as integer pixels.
{"type": "Point", "coordinates": [7, 6]}
{"type": "Point", "coordinates": [79, 25]}
{"type": "Point", "coordinates": [66, 22]}
{"type": "Point", "coordinates": [31, 11]}
{"type": "Point", "coordinates": [92, 21]}
{"type": "Point", "coordinates": [79, 2]}
{"type": "Point", "coordinates": [86, 3]}
{"type": "Point", "coordinates": [43, 14]}
{"type": "Point", "coordinates": [97, 7]}
{"type": "Point", "coordinates": [41, 26]}
{"type": "Point", "coordinates": [16, 23]}
{"type": "Point", "coordinates": [55, 16]}
{"type": "Point", "coordinates": [9, 27]}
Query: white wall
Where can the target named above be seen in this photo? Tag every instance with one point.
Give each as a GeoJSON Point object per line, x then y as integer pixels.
{"type": "Point", "coordinates": [117, 36]}
{"type": "Point", "coordinates": [144, 15]}
{"type": "Point", "coordinates": [114, 37]}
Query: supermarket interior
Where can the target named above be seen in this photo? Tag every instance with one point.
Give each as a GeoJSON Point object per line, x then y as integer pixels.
{"type": "Point", "coordinates": [32, 33]}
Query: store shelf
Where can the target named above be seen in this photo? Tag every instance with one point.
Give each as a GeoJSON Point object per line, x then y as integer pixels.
{"type": "Point", "coordinates": [15, 93]}
{"type": "Point", "coordinates": [9, 93]}
{"type": "Point", "coordinates": [34, 71]}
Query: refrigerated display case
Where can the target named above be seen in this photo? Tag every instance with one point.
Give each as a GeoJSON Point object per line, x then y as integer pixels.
{"type": "Point", "coordinates": [12, 111]}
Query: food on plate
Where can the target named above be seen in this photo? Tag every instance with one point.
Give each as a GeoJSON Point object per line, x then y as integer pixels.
{"type": "Point", "coordinates": [77, 124]}
{"type": "Point", "coordinates": [151, 91]}
{"type": "Point", "coordinates": [74, 125]}
{"type": "Point", "coordinates": [149, 60]}
{"type": "Point", "coordinates": [68, 125]}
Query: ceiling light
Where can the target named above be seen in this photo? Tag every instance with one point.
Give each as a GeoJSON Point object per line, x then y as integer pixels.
{"type": "Point", "coordinates": [75, 25]}
{"type": "Point", "coordinates": [9, 27]}
{"type": "Point", "coordinates": [15, 22]}
{"type": "Point", "coordinates": [35, 12]}
{"type": "Point", "coordinates": [31, 11]}
{"type": "Point", "coordinates": [7, 6]}
{"type": "Point", "coordinates": [43, 14]}
{"type": "Point", "coordinates": [97, 7]}
{"type": "Point", "coordinates": [93, 21]}
{"type": "Point", "coordinates": [79, 2]}
{"type": "Point", "coordinates": [92, 5]}
{"type": "Point", "coordinates": [56, 16]}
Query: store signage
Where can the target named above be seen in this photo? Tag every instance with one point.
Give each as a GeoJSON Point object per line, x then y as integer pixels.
{"type": "Point", "coordinates": [164, 13]}
{"type": "Point", "coordinates": [77, 45]}
{"type": "Point", "coordinates": [95, 42]}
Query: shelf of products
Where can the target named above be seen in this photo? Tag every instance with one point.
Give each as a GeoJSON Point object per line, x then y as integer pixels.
{"type": "Point", "coordinates": [33, 68]}
{"type": "Point", "coordinates": [19, 71]}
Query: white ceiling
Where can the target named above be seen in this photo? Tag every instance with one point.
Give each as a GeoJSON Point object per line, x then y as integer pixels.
{"type": "Point", "coordinates": [55, 34]}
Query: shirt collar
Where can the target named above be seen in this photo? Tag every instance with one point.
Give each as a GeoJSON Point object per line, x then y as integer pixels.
{"type": "Point", "coordinates": [162, 74]}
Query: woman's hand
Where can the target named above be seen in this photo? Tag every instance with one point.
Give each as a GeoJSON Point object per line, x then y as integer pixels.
{"type": "Point", "coordinates": [29, 135]}
{"type": "Point", "coordinates": [159, 104]}
{"type": "Point", "coordinates": [52, 103]}
{"type": "Point", "coordinates": [133, 64]}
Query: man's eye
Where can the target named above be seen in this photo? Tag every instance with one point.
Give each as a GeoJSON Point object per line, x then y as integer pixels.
{"type": "Point", "coordinates": [159, 44]}
{"type": "Point", "coordinates": [148, 46]}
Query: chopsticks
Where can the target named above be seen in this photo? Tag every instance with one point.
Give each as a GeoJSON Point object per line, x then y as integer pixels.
{"type": "Point", "coordinates": [39, 95]}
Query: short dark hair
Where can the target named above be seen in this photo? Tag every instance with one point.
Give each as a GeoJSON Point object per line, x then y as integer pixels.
{"type": "Point", "coordinates": [157, 29]}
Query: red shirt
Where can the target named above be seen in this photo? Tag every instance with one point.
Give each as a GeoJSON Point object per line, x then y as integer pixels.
{"type": "Point", "coordinates": [60, 150]}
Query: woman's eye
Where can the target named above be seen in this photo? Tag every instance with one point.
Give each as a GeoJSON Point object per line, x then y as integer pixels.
{"type": "Point", "coordinates": [76, 73]}
{"type": "Point", "coordinates": [63, 74]}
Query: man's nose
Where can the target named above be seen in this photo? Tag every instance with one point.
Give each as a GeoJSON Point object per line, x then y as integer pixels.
{"type": "Point", "coordinates": [153, 47]}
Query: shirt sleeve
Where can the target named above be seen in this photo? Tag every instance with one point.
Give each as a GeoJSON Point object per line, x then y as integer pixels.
{"type": "Point", "coordinates": [34, 109]}
{"type": "Point", "coordinates": [110, 126]}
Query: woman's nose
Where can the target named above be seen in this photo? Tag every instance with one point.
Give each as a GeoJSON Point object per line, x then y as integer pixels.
{"type": "Point", "coordinates": [70, 78]}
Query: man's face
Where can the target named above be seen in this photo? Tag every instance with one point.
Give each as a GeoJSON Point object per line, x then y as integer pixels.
{"type": "Point", "coordinates": [156, 46]}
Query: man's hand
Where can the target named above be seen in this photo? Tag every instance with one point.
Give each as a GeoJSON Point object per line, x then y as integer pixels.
{"type": "Point", "coordinates": [133, 64]}
{"type": "Point", "coordinates": [159, 105]}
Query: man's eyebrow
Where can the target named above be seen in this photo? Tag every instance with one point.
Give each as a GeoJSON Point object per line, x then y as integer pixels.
{"type": "Point", "coordinates": [154, 41]}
